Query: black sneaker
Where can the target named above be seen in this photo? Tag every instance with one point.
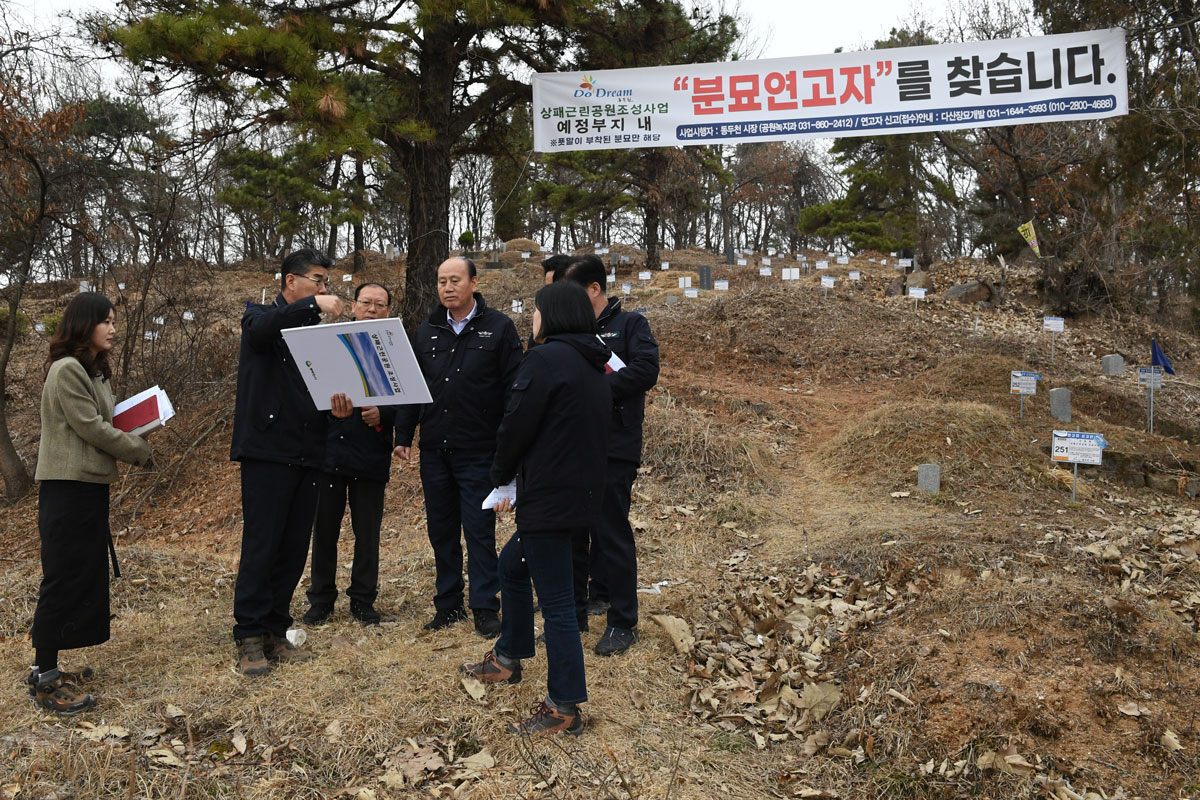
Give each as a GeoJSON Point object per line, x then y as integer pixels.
{"type": "Point", "coordinates": [365, 613]}
{"type": "Point", "coordinates": [616, 641]}
{"type": "Point", "coordinates": [317, 613]}
{"type": "Point", "coordinates": [445, 617]}
{"type": "Point", "coordinates": [597, 607]}
{"type": "Point", "coordinates": [548, 720]}
{"type": "Point", "coordinates": [487, 623]}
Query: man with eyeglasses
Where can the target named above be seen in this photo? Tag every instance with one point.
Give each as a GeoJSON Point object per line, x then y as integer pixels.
{"type": "Point", "coordinates": [279, 438]}
{"type": "Point", "coordinates": [469, 355]}
{"type": "Point", "coordinates": [357, 466]}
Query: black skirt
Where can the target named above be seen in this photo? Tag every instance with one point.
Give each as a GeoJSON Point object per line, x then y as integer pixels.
{"type": "Point", "coordinates": [72, 608]}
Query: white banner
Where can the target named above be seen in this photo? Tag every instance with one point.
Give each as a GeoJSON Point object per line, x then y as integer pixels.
{"type": "Point", "coordinates": [370, 361]}
{"type": "Point", "coordinates": [1070, 76]}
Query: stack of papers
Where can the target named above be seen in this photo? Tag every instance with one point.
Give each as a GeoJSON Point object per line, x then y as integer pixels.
{"type": "Point", "coordinates": [144, 412]}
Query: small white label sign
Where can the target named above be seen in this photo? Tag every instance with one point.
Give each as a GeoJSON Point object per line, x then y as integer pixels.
{"type": "Point", "coordinates": [741, 262]}
{"type": "Point", "coordinates": [518, 306]}
{"type": "Point", "coordinates": [693, 293]}
{"type": "Point", "coordinates": [917, 292]}
{"type": "Point", "coordinates": [188, 316]}
{"type": "Point", "coordinates": [855, 275]}
{"type": "Point", "coordinates": [766, 262]}
{"type": "Point", "coordinates": [764, 271]}
{"type": "Point", "coordinates": [626, 288]}
{"type": "Point", "coordinates": [904, 262]}
{"type": "Point", "coordinates": [644, 276]}
{"type": "Point", "coordinates": [685, 282]}
{"type": "Point", "coordinates": [525, 254]}
{"type": "Point", "coordinates": [1021, 382]}
{"type": "Point", "coordinates": [1150, 377]}
{"type": "Point", "coordinates": [721, 286]}
{"type": "Point", "coordinates": [1073, 447]}
{"type": "Point", "coordinates": [665, 265]}
{"type": "Point", "coordinates": [843, 259]}
{"type": "Point", "coordinates": [1053, 324]}
{"type": "Point", "coordinates": [827, 281]}
{"type": "Point", "coordinates": [822, 264]}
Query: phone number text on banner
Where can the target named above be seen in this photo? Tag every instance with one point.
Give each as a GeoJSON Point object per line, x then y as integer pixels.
{"type": "Point", "coordinates": [1072, 76]}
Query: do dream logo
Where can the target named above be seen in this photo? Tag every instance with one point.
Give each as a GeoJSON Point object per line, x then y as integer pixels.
{"type": "Point", "coordinates": [588, 88]}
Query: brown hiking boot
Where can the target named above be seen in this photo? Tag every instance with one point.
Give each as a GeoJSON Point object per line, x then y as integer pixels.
{"type": "Point", "coordinates": [490, 670]}
{"type": "Point", "coordinates": [251, 659]}
{"type": "Point", "coordinates": [548, 720]}
{"type": "Point", "coordinates": [280, 651]}
{"type": "Point", "coordinates": [54, 693]}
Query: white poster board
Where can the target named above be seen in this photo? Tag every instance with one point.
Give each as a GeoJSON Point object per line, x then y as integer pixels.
{"type": "Point", "coordinates": [371, 362]}
{"type": "Point", "coordinates": [1073, 447]}
{"type": "Point", "coordinates": [1022, 382]}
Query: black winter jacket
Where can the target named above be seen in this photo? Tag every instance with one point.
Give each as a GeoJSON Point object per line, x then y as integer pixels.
{"type": "Point", "coordinates": [469, 377]}
{"type": "Point", "coordinates": [274, 417]}
{"type": "Point", "coordinates": [357, 450]}
{"type": "Point", "coordinates": [554, 434]}
{"type": "Point", "coordinates": [627, 334]}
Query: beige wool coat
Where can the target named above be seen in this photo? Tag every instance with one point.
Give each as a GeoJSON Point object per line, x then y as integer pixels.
{"type": "Point", "coordinates": [78, 441]}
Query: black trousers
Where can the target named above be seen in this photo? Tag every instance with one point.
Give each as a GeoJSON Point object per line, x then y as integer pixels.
{"type": "Point", "coordinates": [72, 606]}
{"type": "Point", "coordinates": [278, 504]}
{"type": "Point", "coordinates": [366, 515]}
{"type": "Point", "coordinates": [613, 554]}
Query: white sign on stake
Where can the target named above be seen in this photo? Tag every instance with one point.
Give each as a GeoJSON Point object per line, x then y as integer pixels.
{"type": "Point", "coordinates": [741, 262]}
{"type": "Point", "coordinates": [626, 288]}
{"type": "Point", "coordinates": [1021, 382]}
{"type": "Point", "coordinates": [188, 316]}
{"type": "Point", "coordinates": [347, 278]}
{"type": "Point", "coordinates": [525, 254]}
{"type": "Point", "coordinates": [685, 282]}
{"type": "Point", "coordinates": [721, 286]}
{"type": "Point", "coordinates": [612, 277]}
{"type": "Point", "coordinates": [766, 262]}
{"type": "Point", "coordinates": [827, 281]}
{"type": "Point", "coordinates": [160, 321]}
{"type": "Point", "coordinates": [765, 271]}
{"type": "Point", "coordinates": [917, 292]}
{"type": "Point", "coordinates": [603, 251]}
{"type": "Point", "coordinates": [121, 286]}
{"type": "Point", "coordinates": [1052, 324]}
{"type": "Point", "coordinates": [665, 265]}
{"type": "Point", "coordinates": [644, 275]}
{"type": "Point", "coordinates": [1150, 377]}
{"type": "Point", "coordinates": [518, 306]}
{"type": "Point", "coordinates": [691, 293]}
{"type": "Point", "coordinates": [822, 264]}
{"type": "Point", "coordinates": [855, 275]}
{"type": "Point", "coordinates": [843, 259]}
{"type": "Point", "coordinates": [904, 262]}
{"type": "Point", "coordinates": [1073, 447]}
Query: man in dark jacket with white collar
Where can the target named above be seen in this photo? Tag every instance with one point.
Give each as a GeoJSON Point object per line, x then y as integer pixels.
{"type": "Point", "coordinates": [469, 354]}
{"type": "Point", "coordinates": [614, 554]}
{"type": "Point", "coordinates": [279, 438]}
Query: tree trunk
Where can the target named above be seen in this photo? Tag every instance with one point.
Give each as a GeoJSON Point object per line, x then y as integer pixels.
{"type": "Point", "coordinates": [360, 196]}
{"type": "Point", "coordinates": [428, 166]}
{"type": "Point", "coordinates": [17, 481]}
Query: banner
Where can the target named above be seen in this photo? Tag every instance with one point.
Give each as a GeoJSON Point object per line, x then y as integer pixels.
{"type": "Point", "coordinates": [1030, 236]}
{"type": "Point", "coordinates": [370, 361]}
{"type": "Point", "coordinates": [1067, 77]}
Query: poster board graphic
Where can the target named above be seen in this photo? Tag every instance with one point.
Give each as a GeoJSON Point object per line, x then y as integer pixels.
{"type": "Point", "coordinates": [371, 362]}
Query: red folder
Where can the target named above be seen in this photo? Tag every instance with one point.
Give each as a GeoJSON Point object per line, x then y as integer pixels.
{"type": "Point", "coordinates": [136, 416]}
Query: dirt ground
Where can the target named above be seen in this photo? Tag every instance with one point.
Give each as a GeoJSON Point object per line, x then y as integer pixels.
{"type": "Point", "coordinates": [812, 625]}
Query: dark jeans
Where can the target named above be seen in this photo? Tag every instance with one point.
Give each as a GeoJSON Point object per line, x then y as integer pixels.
{"type": "Point", "coordinates": [614, 554]}
{"type": "Point", "coordinates": [545, 558]}
{"type": "Point", "coordinates": [366, 515]}
{"type": "Point", "coordinates": [454, 483]}
{"type": "Point", "coordinates": [278, 504]}
{"type": "Point", "coordinates": [585, 565]}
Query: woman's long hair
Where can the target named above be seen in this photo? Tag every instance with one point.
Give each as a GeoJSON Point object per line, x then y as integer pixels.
{"type": "Point", "coordinates": [74, 333]}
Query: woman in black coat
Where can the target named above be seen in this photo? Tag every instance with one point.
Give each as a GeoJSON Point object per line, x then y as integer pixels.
{"type": "Point", "coordinates": [553, 439]}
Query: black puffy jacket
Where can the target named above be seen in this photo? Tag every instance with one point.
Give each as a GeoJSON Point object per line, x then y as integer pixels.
{"type": "Point", "coordinates": [554, 436]}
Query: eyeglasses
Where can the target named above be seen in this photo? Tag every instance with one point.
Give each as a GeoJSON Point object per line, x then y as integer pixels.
{"type": "Point", "coordinates": [372, 304]}
{"type": "Point", "coordinates": [318, 281]}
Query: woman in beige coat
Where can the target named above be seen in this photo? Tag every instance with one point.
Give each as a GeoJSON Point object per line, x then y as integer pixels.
{"type": "Point", "coordinates": [77, 460]}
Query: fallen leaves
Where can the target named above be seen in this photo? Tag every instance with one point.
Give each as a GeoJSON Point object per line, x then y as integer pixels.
{"type": "Point", "coordinates": [474, 688]}
{"type": "Point", "coordinates": [678, 630]}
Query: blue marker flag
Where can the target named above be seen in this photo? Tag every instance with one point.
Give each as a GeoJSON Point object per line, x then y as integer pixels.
{"type": "Point", "coordinates": [1158, 358]}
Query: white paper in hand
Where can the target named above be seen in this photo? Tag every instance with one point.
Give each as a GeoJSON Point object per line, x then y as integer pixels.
{"type": "Point", "coordinates": [506, 492]}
